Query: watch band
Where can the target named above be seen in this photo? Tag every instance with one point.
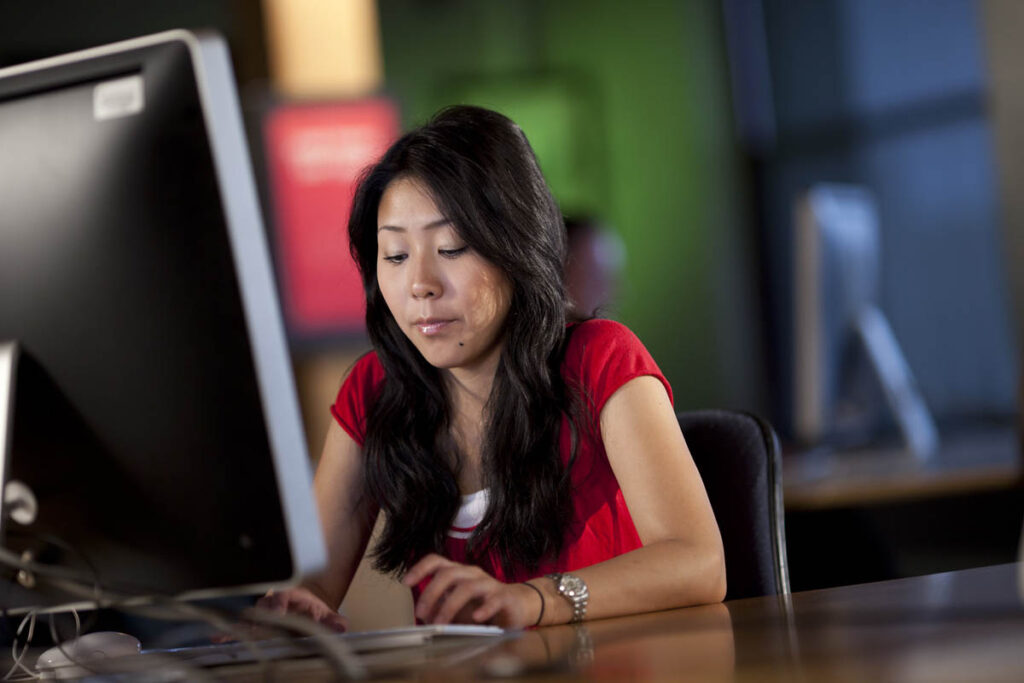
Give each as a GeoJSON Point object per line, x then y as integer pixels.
{"type": "Point", "coordinates": [574, 589]}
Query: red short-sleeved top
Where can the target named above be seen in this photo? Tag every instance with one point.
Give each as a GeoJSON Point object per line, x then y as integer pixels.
{"type": "Point", "coordinates": [601, 356]}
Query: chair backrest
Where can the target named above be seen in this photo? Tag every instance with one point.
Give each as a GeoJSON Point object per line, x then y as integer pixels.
{"type": "Point", "coordinates": [739, 459]}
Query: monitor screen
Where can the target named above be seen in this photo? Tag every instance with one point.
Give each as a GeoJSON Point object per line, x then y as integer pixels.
{"type": "Point", "coordinates": [150, 406]}
{"type": "Point", "coordinates": [836, 275]}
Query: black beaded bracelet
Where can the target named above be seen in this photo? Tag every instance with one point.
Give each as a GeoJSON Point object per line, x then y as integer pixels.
{"type": "Point", "coordinates": [541, 615]}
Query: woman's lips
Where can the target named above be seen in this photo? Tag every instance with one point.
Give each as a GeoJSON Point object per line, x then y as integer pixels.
{"type": "Point", "coordinates": [432, 327]}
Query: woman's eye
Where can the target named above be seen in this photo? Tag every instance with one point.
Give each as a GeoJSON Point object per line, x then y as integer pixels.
{"type": "Point", "coordinates": [452, 253]}
{"type": "Point", "coordinates": [396, 258]}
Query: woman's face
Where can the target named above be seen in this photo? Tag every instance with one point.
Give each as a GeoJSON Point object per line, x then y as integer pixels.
{"type": "Point", "coordinates": [448, 300]}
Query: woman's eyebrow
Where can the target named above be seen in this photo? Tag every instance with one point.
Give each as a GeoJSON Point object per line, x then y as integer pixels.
{"type": "Point", "coordinates": [439, 223]}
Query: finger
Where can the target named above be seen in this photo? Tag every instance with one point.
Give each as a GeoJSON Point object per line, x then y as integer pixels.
{"type": "Point", "coordinates": [322, 613]}
{"type": "Point", "coordinates": [307, 609]}
{"type": "Point", "coordinates": [462, 593]}
{"type": "Point", "coordinates": [428, 565]}
{"type": "Point", "coordinates": [492, 605]}
{"type": "Point", "coordinates": [465, 615]}
{"type": "Point", "coordinates": [442, 581]}
{"type": "Point", "coordinates": [283, 603]}
{"type": "Point", "coordinates": [295, 602]}
{"type": "Point", "coordinates": [269, 601]}
{"type": "Point", "coordinates": [335, 622]}
{"type": "Point", "coordinates": [241, 630]}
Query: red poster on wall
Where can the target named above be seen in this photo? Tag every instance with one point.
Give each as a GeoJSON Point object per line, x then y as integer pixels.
{"type": "Point", "coordinates": [315, 154]}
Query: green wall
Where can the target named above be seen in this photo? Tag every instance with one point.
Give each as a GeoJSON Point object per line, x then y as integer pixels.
{"type": "Point", "coordinates": [641, 91]}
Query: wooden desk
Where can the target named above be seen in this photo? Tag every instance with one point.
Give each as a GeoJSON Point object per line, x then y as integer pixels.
{"type": "Point", "coordinates": [959, 626]}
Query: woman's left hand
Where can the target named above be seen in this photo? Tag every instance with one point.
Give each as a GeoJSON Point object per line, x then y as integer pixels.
{"type": "Point", "coordinates": [460, 593]}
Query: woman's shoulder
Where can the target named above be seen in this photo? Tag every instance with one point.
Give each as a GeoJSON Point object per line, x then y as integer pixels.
{"type": "Point", "coordinates": [367, 365]}
{"type": "Point", "coordinates": [365, 375]}
{"type": "Point", "coordinates": [600, 327]}
{"type": "Point", "coordinates": [599, 336]}
{"type": "Point", "coordinates": [359, 388]}
{"type": "Point", "coordinates": [602, 355]}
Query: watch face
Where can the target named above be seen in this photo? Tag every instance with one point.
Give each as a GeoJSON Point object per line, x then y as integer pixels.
{"type": "Point", "coordinates": [572, 584]}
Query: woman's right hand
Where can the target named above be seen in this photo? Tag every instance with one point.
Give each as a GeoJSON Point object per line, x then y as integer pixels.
{"type": "Point", "coordinates": [300, 600]}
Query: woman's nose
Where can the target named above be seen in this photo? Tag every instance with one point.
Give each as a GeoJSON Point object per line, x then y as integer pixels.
{"type": "Point", "coordinates": [425, 283]}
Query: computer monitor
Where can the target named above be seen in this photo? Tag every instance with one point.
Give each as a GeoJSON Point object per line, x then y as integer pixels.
{"type": "Point", "coordinates": [850, 375]}
{"type": "Point", "coordinates": [146, 396]}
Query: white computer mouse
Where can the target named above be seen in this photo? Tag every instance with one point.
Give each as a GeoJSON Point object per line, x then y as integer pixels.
{"type": "Point", "coordinates": [84, 650]}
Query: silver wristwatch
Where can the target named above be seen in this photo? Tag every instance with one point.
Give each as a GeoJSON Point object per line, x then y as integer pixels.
{"type": "Point", "coordinates": [574, 589]}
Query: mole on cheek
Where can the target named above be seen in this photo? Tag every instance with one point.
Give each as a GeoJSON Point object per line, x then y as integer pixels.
{"type": "Point", "coordinates": [461, 344]}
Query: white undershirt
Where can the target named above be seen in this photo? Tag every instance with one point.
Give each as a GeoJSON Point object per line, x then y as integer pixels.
{"type": "Point", "coordinates": [471, 513]}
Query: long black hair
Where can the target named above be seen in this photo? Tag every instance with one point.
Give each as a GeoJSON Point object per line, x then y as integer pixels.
{"type": "Point", "coordinates": [485, 179]}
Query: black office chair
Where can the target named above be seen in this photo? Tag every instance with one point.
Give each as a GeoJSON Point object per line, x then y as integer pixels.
{"type": "Point", "coordinates": [739, 459]}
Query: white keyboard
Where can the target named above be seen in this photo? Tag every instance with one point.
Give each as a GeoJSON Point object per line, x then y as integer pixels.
{"type": "Point", "coordinates": [358, 642]}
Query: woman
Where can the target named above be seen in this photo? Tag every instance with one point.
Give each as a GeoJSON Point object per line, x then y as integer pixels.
{"type": "Point", "coordinates": [531, 471]}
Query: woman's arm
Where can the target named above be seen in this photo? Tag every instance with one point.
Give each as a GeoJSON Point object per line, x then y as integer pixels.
{"type": "Point", "coordinates": [681, 562]}
{"type": "Point", "coordinates": [346, 517]}
{"type": "Point", "coordinates": [346, 514]}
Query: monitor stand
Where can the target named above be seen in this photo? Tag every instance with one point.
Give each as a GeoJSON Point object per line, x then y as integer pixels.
{"type": "Point", "coordinates": [901, 394]}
